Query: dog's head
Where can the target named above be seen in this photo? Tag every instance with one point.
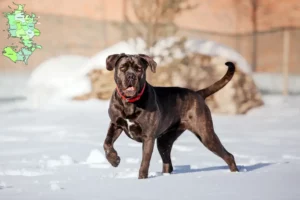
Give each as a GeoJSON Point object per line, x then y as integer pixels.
{"type": "Point", "coordinates": [130, 71]}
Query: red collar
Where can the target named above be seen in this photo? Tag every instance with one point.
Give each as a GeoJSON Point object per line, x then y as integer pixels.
{"type": "Point", "coordinates": [130, 100]}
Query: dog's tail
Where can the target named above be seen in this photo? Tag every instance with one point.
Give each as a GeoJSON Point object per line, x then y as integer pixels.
{"type": "Point", "coordinates": [219, 84]}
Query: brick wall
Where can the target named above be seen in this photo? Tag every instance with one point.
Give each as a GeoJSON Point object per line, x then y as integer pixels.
{"type": "Point", "coordinates": [86, 27]}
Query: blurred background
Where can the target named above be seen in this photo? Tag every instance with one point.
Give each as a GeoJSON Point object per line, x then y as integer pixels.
{"type": "Point", "coordinates": [261, 36]}
{"type": "Point", "coordinates": [53, 111]}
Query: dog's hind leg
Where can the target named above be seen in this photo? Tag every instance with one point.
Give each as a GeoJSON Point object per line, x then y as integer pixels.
{"type": "Point", "coordinates": [164, 145]}
{"type": "Point", "coordinates": [205, 132]}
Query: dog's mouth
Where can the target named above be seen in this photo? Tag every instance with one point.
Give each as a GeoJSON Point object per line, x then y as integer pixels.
{"type": "Point", "coordinates": [130, 91]}
{"type": "Point", "coordinates": [130, 88]}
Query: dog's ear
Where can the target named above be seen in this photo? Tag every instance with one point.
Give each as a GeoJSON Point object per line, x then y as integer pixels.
{"type": "Point", "coordinates": [149, 62]}
{"type": "Point", "coordinates": [112, 60]}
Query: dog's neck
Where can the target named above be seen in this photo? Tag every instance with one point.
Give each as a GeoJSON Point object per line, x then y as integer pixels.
{"type": "Point", "coordinates": [134, 99]}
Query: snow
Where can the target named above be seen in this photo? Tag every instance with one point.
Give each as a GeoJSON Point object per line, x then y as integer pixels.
{"type": "Point", "coordinates": [51, 147]}
{"type": "Point", "coordinates": [95, 157]}
{"type": "Point", "coordinates": [12, 85]}
{"type": "Point", "coordinates": [54, 185]}
{"type": "Point", "coordinates": [63, 160]}
{"type": "Point", "coordinates": [137, 45]}
{"type": "Point", "coordinates": [213, 48]}
{"type": "Point", "coordinates": [56, 152]}
{"type": "Point", "coordinates": [132, 160]}
{"type": "Point", "coordinates": [57, 79]}
{"type": "Point", "coordinates": [63, 77]}
{"type": "Point", "coordinates": [273, 82]}
{"type": "Point", "coordinates": [98, 61]}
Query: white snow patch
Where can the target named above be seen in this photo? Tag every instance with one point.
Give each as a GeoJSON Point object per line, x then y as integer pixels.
{"type": "Point", "coordinates": [100, 166]}
{"type": "Point", "coordinates": [61, 78]}
{"type": "Point", "coordinates": [57, 79]}
{"type": "Point", "coordinates": [95, 157]}
{"type": "Point", "coordinates": [6, 138]}
{"type": "Point", "coordinates": [54, 186]}
{"type": "Point", "coordinates": [126, 175]}
{"type": "Point", "coordinates": [64, 160]}
{"type": "Point", "coordinates": [132, 160]}
{"type": "Point", "coordinates": [24, 172]}
{"type": "Point", "coordinates": [137, 45]}
{"type": "Point", "coordinates": [272, 82]}
{"type": "Point", "coordinates": [262, 163]}
{"type": "Point", "coordinates": [53, 163]}
{"type": "Point", "coordinates": [134, 175]}
{"type": "Point", "coordinates": [134, 144]}
{"type": "Point", "coordinates": [182, 148]}
{"type": "Point", "coordinates": [4, 185]}
{"type": "Point", "coordinates": [31, 128]}
{"type": "Point", "coordinates": [291, 157]}
{"type": "Point", "coordinates": [194, 167]}
{"type": "Point", "coordinates": [236, 155]}
{"type": "Point", "coordinates": [213, 48]}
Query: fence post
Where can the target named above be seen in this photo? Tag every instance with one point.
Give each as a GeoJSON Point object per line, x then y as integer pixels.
{"type": "Point", "coordinates": [124, 22]}
{"type": "Point", "coordinates": [104, 27]}
{"type": "Point", "coordinates": [285, 61]}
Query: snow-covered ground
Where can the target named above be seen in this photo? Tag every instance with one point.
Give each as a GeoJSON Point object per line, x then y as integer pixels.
{"type": "Point", "coordinates": [51, 148]}
{"type": "Point", "coordinates": [273, 82]}
{"type": "Point", "coordinates": [56, 153]}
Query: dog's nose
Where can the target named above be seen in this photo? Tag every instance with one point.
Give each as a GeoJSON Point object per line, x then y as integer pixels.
{"type": "Point", "coordinates": [131, 77]}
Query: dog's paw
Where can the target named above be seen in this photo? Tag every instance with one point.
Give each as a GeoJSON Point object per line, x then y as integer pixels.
{"type": "Point", "coordinates": [167, 168]}
{"type": "Point", "coordinates": [143, 175]}
{"type": "Point", "coordinates": [234, 169]}
{"type": "Point", "coordinates": [113, 159]}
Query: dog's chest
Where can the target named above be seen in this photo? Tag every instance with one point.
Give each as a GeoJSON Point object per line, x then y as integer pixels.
{"type": "Point", "coordinates": [132, 130]}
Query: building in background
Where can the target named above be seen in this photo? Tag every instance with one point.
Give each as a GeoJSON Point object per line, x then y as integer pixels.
{"type": "Point", "coordinates": [86, 27]}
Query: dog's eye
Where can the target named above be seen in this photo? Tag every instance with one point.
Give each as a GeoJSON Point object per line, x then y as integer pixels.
{"type": "Point", "coordinates": [138, 69]}
{"type": "Point", "coordinates": [123, 68]}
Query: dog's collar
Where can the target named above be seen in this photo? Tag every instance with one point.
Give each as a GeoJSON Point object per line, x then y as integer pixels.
{"type": "Point", "coordinates": [131, 100]}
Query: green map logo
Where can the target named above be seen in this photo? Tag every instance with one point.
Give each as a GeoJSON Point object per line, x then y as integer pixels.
{"type": "Point", "coordinates": [21, 25]}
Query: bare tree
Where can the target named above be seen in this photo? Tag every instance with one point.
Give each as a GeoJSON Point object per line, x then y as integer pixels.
{"type": "Point", "coordinates": [156, 18]}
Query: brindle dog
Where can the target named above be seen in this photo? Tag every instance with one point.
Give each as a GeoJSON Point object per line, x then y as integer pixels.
{"type": "Point", "coordinates": [146, 113]}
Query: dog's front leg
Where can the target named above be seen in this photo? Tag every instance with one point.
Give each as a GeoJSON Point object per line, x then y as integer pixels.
{"type": "Point", "coordinates": [112, 135]}
{"type": "Point", "coordinates": [148, 144]}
